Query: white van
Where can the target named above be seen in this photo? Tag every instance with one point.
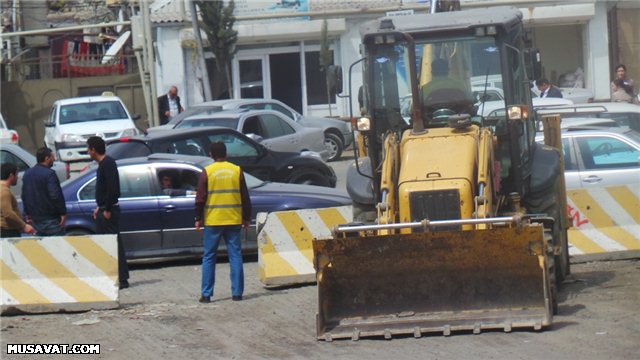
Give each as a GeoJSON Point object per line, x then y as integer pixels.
{"type": "Point", "coordinates": [72, 121]}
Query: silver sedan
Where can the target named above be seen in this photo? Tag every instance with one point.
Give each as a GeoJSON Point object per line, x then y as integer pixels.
{"type": "Point", "coordinates": [270, 128]}
{"type": "Point", "coordinates": [599, 158]}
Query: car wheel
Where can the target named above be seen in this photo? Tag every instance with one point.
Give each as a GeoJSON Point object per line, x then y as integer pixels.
{"type": "Point", "coordinates": [306, 176]}
{"type": "Point", "coordinates": [77, 232]}
{"type": "Point", "coordinates": [334, 144]}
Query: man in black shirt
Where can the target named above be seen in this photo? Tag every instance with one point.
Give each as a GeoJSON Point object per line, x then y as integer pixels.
{"type": "Point", "coordinates": [107, 213]}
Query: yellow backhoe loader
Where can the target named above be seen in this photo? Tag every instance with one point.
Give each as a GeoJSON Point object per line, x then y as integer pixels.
{"type": "Point", "coordinates": [458, 217]}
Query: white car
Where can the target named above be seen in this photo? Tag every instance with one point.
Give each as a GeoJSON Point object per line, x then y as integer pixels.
{"type": "Point", "coordinates": [72, 121]}
{"type": "Point", "coordinates": [7, 136]}
{"type": "Point", "coordinates": [625, 114]}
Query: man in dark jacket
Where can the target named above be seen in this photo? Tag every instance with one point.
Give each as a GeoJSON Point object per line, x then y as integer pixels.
{"type": "Point", "coordinates": [169, 105]}
{"type": "Point", "coordinates": [547, 90]}
{"type": "Point", "coordinates": [42, 196]}
{"type": "Point", "coordinates": [107, 213]}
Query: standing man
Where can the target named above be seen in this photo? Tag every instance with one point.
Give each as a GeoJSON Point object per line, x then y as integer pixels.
{"type": "Point", "coordinates": [169, 105]}
{"type": "Point", "coordinates": [223, 207]}
{"type": "Point", "coordinates": [107, 212]}
{"type": "Point", "coordinates": [11, 223]}
{"type": "Point", "coordinates": [547, 90]}
{"type": "Point", "coordinates": [42, 196]}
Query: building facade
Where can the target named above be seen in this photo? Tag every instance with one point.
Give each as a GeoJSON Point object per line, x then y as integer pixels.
{"type": "Point", "coordinates": [278, 45]}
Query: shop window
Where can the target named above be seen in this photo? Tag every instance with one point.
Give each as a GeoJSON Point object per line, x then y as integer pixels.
{"type": "Point", "coordinates": [316, 80]}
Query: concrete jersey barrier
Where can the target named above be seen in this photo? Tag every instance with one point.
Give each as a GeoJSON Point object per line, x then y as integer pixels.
{"type": "Point", "coordinates": [606, 222]}
{"type": "Point", "coordinates": [58, 274]}
{"type": "Point", "coordinates": [285, 251]}
{"type": "Point", "coordinates": [606, 225]}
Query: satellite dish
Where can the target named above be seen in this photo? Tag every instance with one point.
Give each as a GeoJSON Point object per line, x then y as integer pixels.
{"type": "Point", "coordinates": [120, 19]}
{"type": "Point", "coordinates": [116, 47]}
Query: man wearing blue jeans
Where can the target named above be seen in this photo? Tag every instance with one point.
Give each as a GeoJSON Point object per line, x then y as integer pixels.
{"type": "Point", "coordinates": [223, 206]}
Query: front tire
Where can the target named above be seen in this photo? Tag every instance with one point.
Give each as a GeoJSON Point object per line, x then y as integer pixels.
{"type": "Point", "coordinates": [335, 146]}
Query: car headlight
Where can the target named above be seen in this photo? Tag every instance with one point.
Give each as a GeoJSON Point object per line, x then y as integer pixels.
{"type": "Point", "coordinates": [71, 138]}
{"type": "Point", "coordinates": [129, 132]}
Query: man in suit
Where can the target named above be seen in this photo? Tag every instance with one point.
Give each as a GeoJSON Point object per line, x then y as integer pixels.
{"type": "Point", "coordinates": [547, 90]}
{"type": "Point", "coordinates": [169, 105]}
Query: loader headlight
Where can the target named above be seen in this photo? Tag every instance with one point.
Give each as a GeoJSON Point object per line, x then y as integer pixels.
{"type": "Point", "coordinates": [517, 112]}
{"type": "Point", "coordinates": [364, 124]}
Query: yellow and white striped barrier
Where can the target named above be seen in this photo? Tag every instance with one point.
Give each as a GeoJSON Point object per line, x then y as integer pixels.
{"type": "Point", "coordinates": [56, 274]}
{"type": "Point", "coordinates": [285, 250]}
{"type": "Point", "coordinates": [605, 220]}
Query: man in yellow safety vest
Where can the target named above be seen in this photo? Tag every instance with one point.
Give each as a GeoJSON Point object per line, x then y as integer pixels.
{"type": "Point", "coordinates": [223, 207]}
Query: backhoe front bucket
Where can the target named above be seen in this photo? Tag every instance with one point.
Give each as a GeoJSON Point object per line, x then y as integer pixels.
{"type": "Point", "coordinates": [432, 282]}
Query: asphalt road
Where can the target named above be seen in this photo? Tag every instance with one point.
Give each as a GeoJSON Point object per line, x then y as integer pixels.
{"type": "Point", "coordinates": [160, 318]}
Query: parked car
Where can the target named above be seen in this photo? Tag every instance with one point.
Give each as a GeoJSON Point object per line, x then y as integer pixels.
{"type": "Point", "coordinates": [625, 114]}
{"type": "Point", "coordinates": [24, 160]}
{"type": "Point", "coordinates": [337, 133]}
{"type": "Point", "coordinates": [7, 136]}
{"type": "Point", "coordinates": [270, 128]}
{"type": "Point", "coordinates": [267, 165]}
{"type": "Point", "coordinates": [582, 123]}
{"type": "Point", "coordinates": [156, 222]}
{"type": "Point", "coordinates": [602, 157]}
{"type": "Point", "coordinates": [72, 121]}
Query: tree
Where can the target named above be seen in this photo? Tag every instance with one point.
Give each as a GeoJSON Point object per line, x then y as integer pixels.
{"type": "Point", "coordinates": [217, 22]}
{"type": "Point", "coordinates": [325, 58]}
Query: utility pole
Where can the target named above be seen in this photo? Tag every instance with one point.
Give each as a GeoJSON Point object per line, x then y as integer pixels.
{"type": "Point", "coordinates": [143, 46]}
{"type": "Point", "coordinates": [150, 60]}
{"type": "Point", "coordinates": [201, 61]}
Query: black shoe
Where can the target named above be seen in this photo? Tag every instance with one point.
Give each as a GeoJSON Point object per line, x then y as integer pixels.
{"type": "Point", "coordinates": [236, 298]}
{"type": "Point", "coordinates": [205, 299]}
{"type": "Point", "coordinates": [124, 284]}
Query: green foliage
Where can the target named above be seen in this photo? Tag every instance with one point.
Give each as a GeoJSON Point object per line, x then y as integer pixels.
{"type": "Point", "coordinates": [217, 22]}
{"type": "Point", "coordinates": [325, 53]}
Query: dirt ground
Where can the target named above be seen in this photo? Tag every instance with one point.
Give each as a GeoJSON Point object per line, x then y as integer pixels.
{"type": "Point", "coordinates": [160, 318]}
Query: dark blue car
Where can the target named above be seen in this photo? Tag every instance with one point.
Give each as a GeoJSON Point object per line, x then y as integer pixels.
{"type": "Point", "coordinates": [158, 220]}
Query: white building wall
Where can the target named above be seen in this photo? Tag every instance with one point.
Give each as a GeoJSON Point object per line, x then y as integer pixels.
{"type": "Point", "coordinates": [171, 68]}
{"type": "Point", "coordinates": [597, 53]}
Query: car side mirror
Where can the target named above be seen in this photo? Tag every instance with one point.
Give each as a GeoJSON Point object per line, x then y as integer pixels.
{"type": "Point", "coordinates": [136, 117]}
{"type": "Point", "coordinates": [48, 123]}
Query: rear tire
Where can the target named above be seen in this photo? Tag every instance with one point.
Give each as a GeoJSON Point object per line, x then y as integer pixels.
{"type": "Point", "coordinates": [308, 177]}
{"type": "Point", "coordinates": [335, 146]}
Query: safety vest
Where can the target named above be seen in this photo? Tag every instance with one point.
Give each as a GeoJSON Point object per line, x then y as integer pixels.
{"type": "Point", "coordinates": [224, 203]}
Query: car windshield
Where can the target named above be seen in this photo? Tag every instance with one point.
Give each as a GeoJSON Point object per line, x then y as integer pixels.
{"type": "Point", "coordinates": [92, 111]}
{"type": "Point", "coordinates": [206, 121]}
{"type": "Point", "coordinates": [194, 111]}
{"type": "Point", "coordinates": [252, 181]}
